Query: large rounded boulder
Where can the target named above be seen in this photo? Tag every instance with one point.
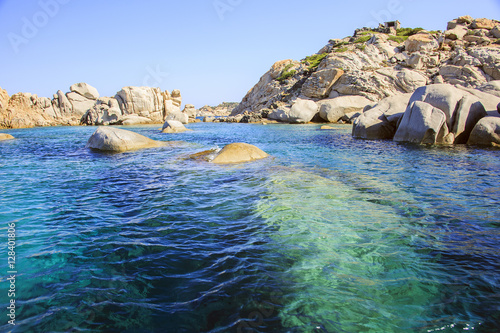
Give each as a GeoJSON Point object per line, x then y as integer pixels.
{"type": "Point", "coordinates": [118, 140]}
{"type": "Point", "coordinates": [239, 153]}
{"type": "Point", "coordinates": [173, 126]}
{"type": "Point", "coordinates": [486, 132]}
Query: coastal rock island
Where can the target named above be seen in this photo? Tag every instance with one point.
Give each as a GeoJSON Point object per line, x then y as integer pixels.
{"type": "Point", "coordinates": [373, 78]}
{"type": "Point", "coordinates": [84, 106]}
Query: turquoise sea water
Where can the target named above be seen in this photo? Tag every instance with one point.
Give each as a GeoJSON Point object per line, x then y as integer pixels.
{"type": "Point", "coordinates": [330, 234]}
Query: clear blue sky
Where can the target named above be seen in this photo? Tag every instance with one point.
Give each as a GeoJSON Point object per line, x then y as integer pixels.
{"type": "Point", "coordinates": [212, 50]}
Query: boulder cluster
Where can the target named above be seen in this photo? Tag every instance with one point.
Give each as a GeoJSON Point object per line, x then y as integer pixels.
{"type": "Point", "coordinates": [433, 114]}
{"type": "Point", "coordinates": [84, 106]}
{"type": "Point", "coordinates": [386, 72]}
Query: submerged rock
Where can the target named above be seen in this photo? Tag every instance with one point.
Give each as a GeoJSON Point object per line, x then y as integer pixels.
{"type": "Point", "coordinates": [239, 153]}
{"type": "Point", "coordinates": [486, 132]}
{"type": "Point", "coordinates": [118, 140]}
{"type": "Point", "coordinates": [5, 136]}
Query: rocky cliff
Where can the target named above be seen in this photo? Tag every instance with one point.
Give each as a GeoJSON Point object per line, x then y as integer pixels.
{"type": "Point", "coordinates": [84, 106]}
{"type": "Point", "coordinates": [349, 74]}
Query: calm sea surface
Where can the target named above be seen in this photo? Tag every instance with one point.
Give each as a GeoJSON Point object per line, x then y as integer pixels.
{"type": "Point", "coordinates": [330, 234]}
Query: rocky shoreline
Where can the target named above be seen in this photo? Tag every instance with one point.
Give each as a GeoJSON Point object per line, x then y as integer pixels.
{"type": "Point", "coordinates": [373, 78]}
{"type": "Point", "coordinates": [409, 85]}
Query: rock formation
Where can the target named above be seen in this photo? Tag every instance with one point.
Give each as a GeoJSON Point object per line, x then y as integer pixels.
{"type": "Point", "coordinates": [378, 63]}
{"type": "Point", "coordinates": [5, 136]}
{"type": "Point", "coordinates": [112, 139]}
{"type": "Point", "coordinates": [434, 114]}
{"type": "Point", "coordinates": [83, 105]}
{"type": "Point", "coordinates": [173, 126]}
{"type": "Point", "coordinates": [238, 153]}
{"type": "Point", "coordinates": [486, 132]}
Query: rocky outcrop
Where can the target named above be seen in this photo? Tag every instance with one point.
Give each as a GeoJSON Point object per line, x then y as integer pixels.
{"type": "Point", "coordinates": [133, 120]}
{"type": "Point", "coordinates": [82, 105]}
{"type": "Point", "coordinates": [435, 114]}
{"type": "Point", "coordinates": [320, 83]}
{"type": "Point", "coordinates": [380, 122]}
{"type": "Point", "coordinates": [332, 110]}
{"type": "Point", "coordinates": [421, 42]}
{"type": "Point", "coordinates": [112, 139]}
{"type": "Point", "coordinates": [178, 116]}
{"type": "Point", "coordinates": [302, 111]}
{"type": "Point", "coordinates": [26, 110]}
{"type": "Point", "coordinates": [422, 123]}
{"type": "Point", "coordinates": [85, 90]}
{"type": "Point", "coordinates": [486, 132]}
{"type": "Point", "coordinates": [5, 137]}
{"type": "Point", "coordinates": [173, 126]}
{"type": "Point", "coordinates": [144, 101]}
{"type": "Point", "coordinates": [105, 111]}
{"type": "Point", "coordinates": [239, 153]}
{"type": "Point", "coordinates": [190, 111]}
{"type": "Point", "coordinates": [222, 110]}
{"type": "Point", "coordinates": [376, 65]}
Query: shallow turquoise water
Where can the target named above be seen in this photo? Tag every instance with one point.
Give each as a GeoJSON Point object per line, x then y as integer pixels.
{"type": "Point", "coordinates": [331, 234]}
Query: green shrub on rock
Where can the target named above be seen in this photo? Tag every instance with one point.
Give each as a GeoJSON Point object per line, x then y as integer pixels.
{"type": "Point", "coordinates": [314, 60]}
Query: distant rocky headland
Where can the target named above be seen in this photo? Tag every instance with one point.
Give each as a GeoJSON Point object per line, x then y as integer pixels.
{"type": "Point", "coordinates": [406, 84]}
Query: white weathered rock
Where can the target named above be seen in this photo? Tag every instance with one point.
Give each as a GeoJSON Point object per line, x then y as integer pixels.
{"type": "Point", "coordinates": [280, 114]}
{"type": "Point", "coordinates": [302, 111]}
{"type": "Point", "coordinates": [173, 126]}
{"type": "Point", "coordinates": [64, 104]}
{"type": "Point", "coordinates": [319, 84]}
{"type": "Point", "coordinates": [442, 96]}
{"type": "Point", "coordinates": [332, 110]}
{"type": "Point", "coordinates": [85, 90]}
{"type": "Point", "coordinates": [118, 140]}
{"type": "Point", "coordinates": [495, 31]}
{"type": "Point", "coordinates": [190, 110]}
{"type": "Point", "coordinates": [421, 42]}
{"type": "Point", "coordinates": [483, 23]}
{"type": "Point", "coordinates": [106, 111]}
{"type": "Point", "coordinates": [178, 116]}
{"type": "Point", "coordinates": [80, 104]}
{"type": "Point", "coordinates": [379, 84]}
{"type": "Point", "coordinates": [456, 33]}
{"type": "Point", "coordinates": [380, 122]}
{"type": "Point", "coordinates": [488, 99]}
{"type": "Point", "coordinates": [469, 112]}
{"type": "Point", "coordinates": [133, 119]}
{"type": "Point", "coordinates": [489, 59]}
{"type": "Point", "coordinates": [492, 88]}
{"type": "Point", "coordinates": [486, 132]}
{"type": "Point", "coordinates": [143, 101]}
{"type": "Point", "coordinates": [423, 124]}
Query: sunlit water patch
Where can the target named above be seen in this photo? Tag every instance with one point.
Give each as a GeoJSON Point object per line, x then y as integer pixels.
{"type": "Point", "coordinates": [330, 234]}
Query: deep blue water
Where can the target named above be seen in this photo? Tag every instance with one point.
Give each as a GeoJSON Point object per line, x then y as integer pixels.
{"type": "Point", "coordinates": [330, 234]}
